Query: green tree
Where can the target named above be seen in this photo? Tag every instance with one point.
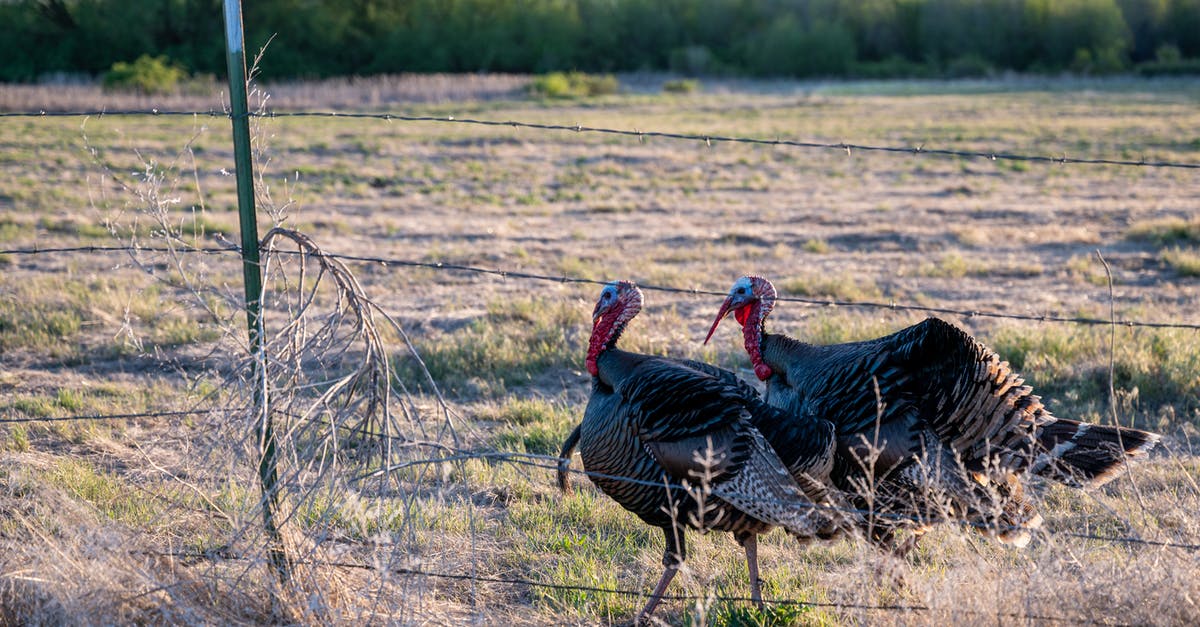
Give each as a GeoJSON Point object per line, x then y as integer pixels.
{"type": "Point", "coordinates": [1146, 20]}
{"type": "Point", "coordinates": [1075, 29]}
{"type": "Point", "coordinates": [1184, 27]}
{"type": "Point", "coordinates": [789, 48]}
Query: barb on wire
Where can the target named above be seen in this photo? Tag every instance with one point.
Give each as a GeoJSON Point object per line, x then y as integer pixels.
{"type": "Point", "coordinates": [641, 135]}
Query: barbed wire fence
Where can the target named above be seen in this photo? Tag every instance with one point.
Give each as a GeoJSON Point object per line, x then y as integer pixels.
{"type": "Point", "coordinates": [693, 291]}
{"type": "Point", "coordinates": [642, 135]}
{"type": "Point", "coordinates": [330, 455]}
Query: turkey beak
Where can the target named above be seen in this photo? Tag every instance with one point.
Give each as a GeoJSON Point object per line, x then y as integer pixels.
{"type": "Point", "coordinates": [725, 308]}
{"type": "Point", "coordinates": [598, 313]}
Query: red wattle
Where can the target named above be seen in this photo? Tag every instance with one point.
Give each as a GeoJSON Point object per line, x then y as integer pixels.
{"type": "Point", "coordinates": [752, 336]}
{"type": "Point", "coordinates": [741, 313]}
{"type": "Point", "coordinates": [600, 333]}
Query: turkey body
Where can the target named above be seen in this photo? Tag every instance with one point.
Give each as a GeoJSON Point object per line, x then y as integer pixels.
{"type": "Point", "coordinates": [648, 419]}
{"type": "Point", "coordinates": [675, 443]}
{"type": "Point", "coordinates": [933, 385]}
{"type": "Point", "coordinates": [931, 424]}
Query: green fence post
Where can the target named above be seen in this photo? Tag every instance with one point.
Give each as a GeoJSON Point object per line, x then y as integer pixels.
{"type": "Point", "coordinates": [252, 274]}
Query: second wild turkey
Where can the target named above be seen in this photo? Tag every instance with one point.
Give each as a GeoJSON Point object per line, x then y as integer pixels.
{"type": "Point", "coordinates": [673, 442]}
{"type": "Point", "coordinates": [929, 420]}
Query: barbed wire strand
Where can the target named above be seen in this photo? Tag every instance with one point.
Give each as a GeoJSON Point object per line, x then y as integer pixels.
{"type": "Point", "coordinates": [548, 462]}
{"type": "Point", "coordinates": [707, 138]}
{"type": "Point", "coordinates": [40, 250]}
{"type": "Point", "coordinates": [516, 274]}
{"type": "Point", "coordinates": [99, 417]}
{"type": "Point", "coordinates": [409, 571]}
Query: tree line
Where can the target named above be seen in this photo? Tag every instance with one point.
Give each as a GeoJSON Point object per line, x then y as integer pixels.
{"type": "Point", "coordinates": [869, 38]}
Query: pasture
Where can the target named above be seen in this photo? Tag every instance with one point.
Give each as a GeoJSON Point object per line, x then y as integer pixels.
{"type": "Point", "coordinates": [156, 518]}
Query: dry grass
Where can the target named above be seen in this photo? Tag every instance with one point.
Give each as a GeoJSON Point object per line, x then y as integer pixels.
{"type": "Point", "coordinates": [87, 510]}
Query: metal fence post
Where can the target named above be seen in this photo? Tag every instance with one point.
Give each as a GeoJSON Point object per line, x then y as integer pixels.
{"type": "Point", "coordinates": [252, 275]}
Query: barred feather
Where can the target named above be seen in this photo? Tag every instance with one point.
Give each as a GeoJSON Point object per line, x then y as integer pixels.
{"type": "Point", "coordinates": [939, 387]}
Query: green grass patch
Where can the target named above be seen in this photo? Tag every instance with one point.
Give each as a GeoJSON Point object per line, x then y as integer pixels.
{"type": "Point", "coordinates": [1166, 231]}
{"type": "Point", "coordinates": [1156, 372]}
{"type": "Point", "coordinates": [1185, 261]}
{"type": "Point", "coordinates": [843, 286]}
{"type": "Point", "coordinates": [33, 406]}
{"type": "Point", "coordinates": [75, 228]}
{"type": "Point", "coordinates": [816, 246]}
{"type": "Point", "coordinates": [952, 265]}
{"type": "Point", "coordinates": [513, 343]}
{"type": "Point", "coordinates": [198, 226]}
{"type": "Point", "coordinates": [107, 492]}
{"type": "Point", "coordinates": [532, 425]}
{"type": "Point", "coordinates": [582, 538]}
{"type": "Point", "coordinates": [48, 314]}
{"type": "Point", "coordinates": [738, 613]}
{"type": "Point", "coordinates": [11, 229]}
{"type": "Point", "coordinates": [681, 86]}
{"type": "Point", "coordinates": [39, 326]}
{"type": "Point", "coordinates": [1088, 269]}
{"type": "Point", "coordinates": [574, 85]}
{"type": "Point", "coordinates": [18, 439]}
{"type": "Point", "coordinates": [836, 328]}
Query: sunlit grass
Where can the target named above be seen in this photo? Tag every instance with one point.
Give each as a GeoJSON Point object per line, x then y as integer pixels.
{"type": "Point", "coordinates": [508, 346]}
{"type": "Point", "coordinates": [1166, 231]}
{"type": "Point", "coordinates": [109, 494]}
{"type": "Point", "coordinates": [1185, 261]}
{"type": "Point", "coordinates": [840, 286]}
{"type": "Point", "coordinates": [532, 425]}
{"type": "Point", "coordinates": [49, 313]}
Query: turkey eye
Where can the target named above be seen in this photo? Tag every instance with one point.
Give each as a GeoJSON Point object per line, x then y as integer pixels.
{"type": "Point", "coordinates": [741, 290]}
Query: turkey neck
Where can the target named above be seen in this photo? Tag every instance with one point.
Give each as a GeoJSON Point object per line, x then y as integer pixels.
{"type": "Point", "coordinates": [759, 344]}
{"type": "Point", "coordinates": [778, 351]}
{"type": "Point", "coordinates": [613, 366]}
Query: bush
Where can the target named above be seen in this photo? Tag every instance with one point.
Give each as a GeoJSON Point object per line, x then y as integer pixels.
{"type": "Point", "coordinates": [969, 66]}
{"type": "Point", "coordinates": [891, 67]}
{"type": "Point", "coordinates": [574, 85]}
{"type": "Point", "coordinates": [684, 86]}
{"type": "Point", "coordinates": [1168, 53]}
{"type": "Point", "coordinates": [1103, 61]}
{"type": "Point", "coordinates": [148, 75]}
{"type": "Point", "coordinates": [1169, 61]}
{"type": "Point", "coordinates": [1182, 67]}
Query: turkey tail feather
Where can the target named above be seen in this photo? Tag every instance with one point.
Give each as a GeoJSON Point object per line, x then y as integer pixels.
{"type": "Point", "coordinates": [1088, 455]}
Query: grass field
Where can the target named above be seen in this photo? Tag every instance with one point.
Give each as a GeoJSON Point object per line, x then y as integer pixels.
{"type": "Point", "coordinates": [101, 520]}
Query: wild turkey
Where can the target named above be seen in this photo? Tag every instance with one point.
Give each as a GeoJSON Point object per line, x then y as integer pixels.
{"type": "Point", "coordinates": [673, 442]}
{"type": "Point", "coordinates": [945, 417]}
